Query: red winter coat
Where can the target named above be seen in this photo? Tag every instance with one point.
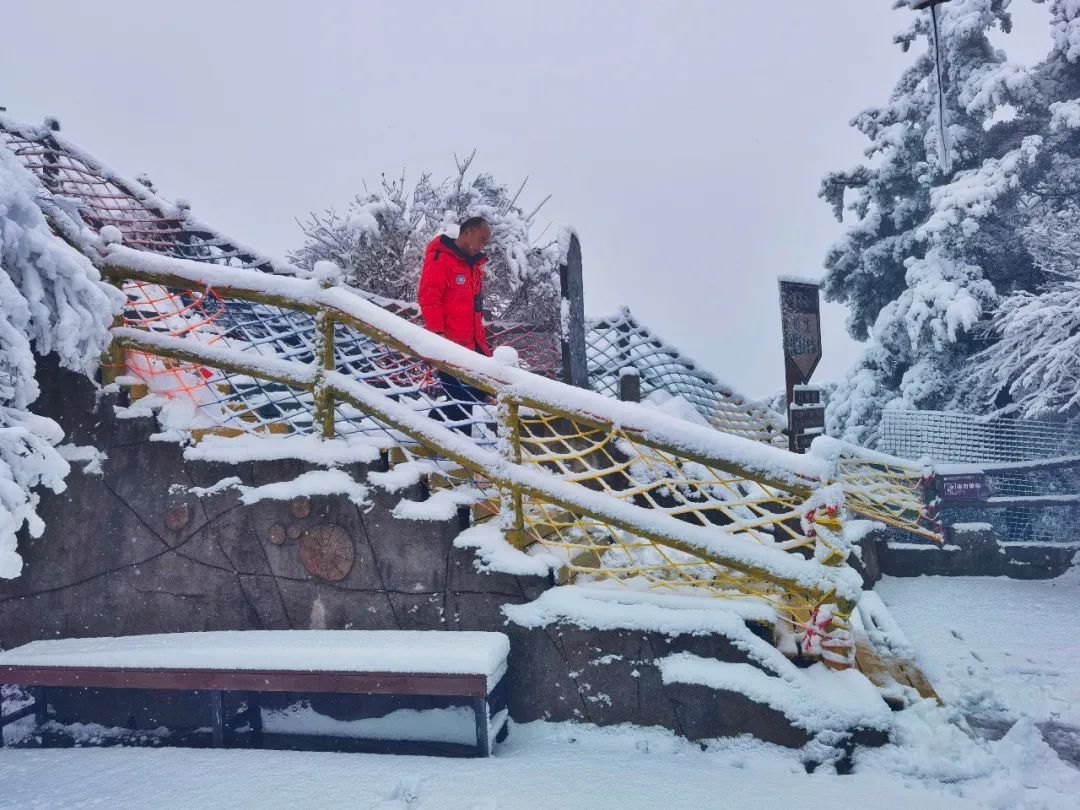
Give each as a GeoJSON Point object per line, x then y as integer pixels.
{"type": "Point", "coordinates": [451, 294]}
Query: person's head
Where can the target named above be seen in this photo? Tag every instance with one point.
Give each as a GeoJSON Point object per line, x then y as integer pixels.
{"type": "Point", "coordinates": [474, 235]}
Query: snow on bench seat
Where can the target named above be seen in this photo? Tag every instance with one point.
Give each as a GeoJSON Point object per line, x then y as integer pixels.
{"type": "Point", "coordinates": [336, 651]}
{"type": "Point", "coordinates": [388, 662]}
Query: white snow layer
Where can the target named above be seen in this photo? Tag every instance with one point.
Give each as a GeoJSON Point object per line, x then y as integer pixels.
{"type": "Point", "coordinates": [815, 699]}
{"type": "Point", "coordinates": [542, 765]}
{"type": "Point", "coordinates": [455, 724]}
{"type": "Point", "coordinates": [417, 651]}
{"type": "Point", "coordinates": [598, 607]}
{"type": "Point", "coordinates": [440, 505]}
{"type": "Point", "coordinates": [495, 555]}
{"type": "Point", "coordinates": [316, 482]}
{"type": "Point", "coordinates": [338, 452]}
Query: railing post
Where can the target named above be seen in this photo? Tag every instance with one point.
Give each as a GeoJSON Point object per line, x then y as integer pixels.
{"type": "Point", "coordinates": [512, 506]}
{"type": "Point", "coordinates": [326, 273]}
{"type": "Point", "coordinates": [629, 384]}
{"type": "Point", "coordinates": [837, 647]}
{"type": "Point", "coordinates": [114, 360]}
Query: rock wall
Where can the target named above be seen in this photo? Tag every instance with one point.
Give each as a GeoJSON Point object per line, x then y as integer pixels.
{"type": "Point", "coordinates": [972, 549]}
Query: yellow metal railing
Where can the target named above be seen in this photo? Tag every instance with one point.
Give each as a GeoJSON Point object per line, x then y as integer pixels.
{"type": "Point", "coordinates": [606, 488]}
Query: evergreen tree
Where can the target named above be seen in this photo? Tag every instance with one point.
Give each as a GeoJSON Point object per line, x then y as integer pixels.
{"type": "Point", "coordinates": [51, 301]}
{"type": "Point", "coordinates": [1030, 367]}
{"type": "Point", "coordinates": [933, 243]}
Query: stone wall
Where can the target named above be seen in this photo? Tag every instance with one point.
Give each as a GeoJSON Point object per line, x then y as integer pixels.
{"type": "Point", "coordinates": [972, 549]}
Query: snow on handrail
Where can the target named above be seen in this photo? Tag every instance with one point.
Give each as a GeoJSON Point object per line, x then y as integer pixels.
{"type": "Point", "coordinates": [876, 486]}
{"type": "Point", "coordinates": [797, 473]}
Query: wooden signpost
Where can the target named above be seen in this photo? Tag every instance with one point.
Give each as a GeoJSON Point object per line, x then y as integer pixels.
{"type": "Point", "coordinates": [800, 317]}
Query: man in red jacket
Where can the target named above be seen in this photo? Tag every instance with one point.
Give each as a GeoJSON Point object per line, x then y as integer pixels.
{"type": "Point", "coordinates": [451, 300]}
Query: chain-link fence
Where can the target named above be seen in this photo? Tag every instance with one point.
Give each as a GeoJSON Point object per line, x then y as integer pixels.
{"type": "Point", "coordinates": [621, 341]}
{"type": "Point", "coordinates": [964, 438]}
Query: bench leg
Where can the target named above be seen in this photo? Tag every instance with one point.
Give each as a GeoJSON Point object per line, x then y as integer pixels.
{"type": "Point", "coordinates": [254, 702]}
{"type": "Point", "coordinates": [483, 727]}
{"type": "Point", "coordinates": [217, 717]}
{"type": "Point", "coordinates": [41, 706]}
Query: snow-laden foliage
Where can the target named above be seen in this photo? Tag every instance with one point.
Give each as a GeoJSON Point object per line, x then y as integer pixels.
{"type": "Point", "coordinates": [935, 247]}
{"type": "Point", "coordinates": [380, 240]}
{"type": "Point", "coordinates": [1036, 356]}
{"type": "Point", "coordinates": [51, 301]}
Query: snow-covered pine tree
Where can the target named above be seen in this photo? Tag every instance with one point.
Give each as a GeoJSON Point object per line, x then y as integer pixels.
{"type": "Point", "coordinates": [380, 240]}
{"type": "Point", "coordinates": [1032, 367]}
{"type": "Point", "coordinates": [932, 244]}
{"type": "Point", "coordinates": [51, 301]}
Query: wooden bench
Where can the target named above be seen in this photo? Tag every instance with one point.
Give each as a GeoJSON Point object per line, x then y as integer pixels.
{"type": "Point", "coordinates": [465, 665]}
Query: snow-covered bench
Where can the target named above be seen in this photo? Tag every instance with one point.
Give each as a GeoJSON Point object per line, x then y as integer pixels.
{"type": "Point", "coordinates": [467, 665]}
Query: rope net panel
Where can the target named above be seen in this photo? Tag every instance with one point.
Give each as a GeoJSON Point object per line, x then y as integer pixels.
{"type": "Point", "coordinates": [615, 463]}
{"type": "Point", "coordinates": [105, 199]}
{"type": "Point", "coordinates": [620, 341]}
{"type": "Point", "coordinates": [227, 403]}
{"type": "Point", "coordinates": [890, 492]}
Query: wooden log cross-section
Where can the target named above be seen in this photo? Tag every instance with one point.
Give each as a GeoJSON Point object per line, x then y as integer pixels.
{"type": "Point", "coordinates": [470, 666]}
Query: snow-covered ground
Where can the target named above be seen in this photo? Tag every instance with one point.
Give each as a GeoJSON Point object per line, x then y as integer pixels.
{"type": "Point", "coordinates": [996, 646]}
{"type": "Point", "coordinates": [1000, 652]}
{"type": "Point", "coordinates": [540, 765]}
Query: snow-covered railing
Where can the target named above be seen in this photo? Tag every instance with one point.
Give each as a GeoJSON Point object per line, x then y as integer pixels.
{"type": "Point", "coordinates": [884, 488]}
{"type": "Point", "coordinates": [609, 490]}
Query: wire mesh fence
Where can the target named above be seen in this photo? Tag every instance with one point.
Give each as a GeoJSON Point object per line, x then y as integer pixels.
{"type": "Point", "coordinates": [621, 341]}
{"type": "Point", "coordinates": [944, 437]}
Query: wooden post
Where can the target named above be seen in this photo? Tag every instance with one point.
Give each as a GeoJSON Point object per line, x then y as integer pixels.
{"type": "Point", "coordinates": [41, 706]}
{"type": "Point", "coordinates": [572, 318]}
{"type": "Point", "coordinates": [806, 417]}
{"type": "Point", "coordinates": [629, 384]}
{"type": "Point", "coordinates": [113, 361]}
{"type": "Point", "coordinates": [254, 701]}
{"type": "Point", "coordinates": [327, 274]}
{"type": "Point", "coordinates": [324, 356]}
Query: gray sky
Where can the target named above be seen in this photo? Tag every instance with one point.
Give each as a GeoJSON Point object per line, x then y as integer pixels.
{"type": "Point", "coordinates": [684, 140]}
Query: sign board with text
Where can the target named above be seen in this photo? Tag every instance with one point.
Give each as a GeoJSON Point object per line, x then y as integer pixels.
{"type": "Point", "coordinates": [800, 319]}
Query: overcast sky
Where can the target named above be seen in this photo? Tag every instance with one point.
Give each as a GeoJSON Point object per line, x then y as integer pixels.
{"type": "Point", "coordinates": [685, 141]}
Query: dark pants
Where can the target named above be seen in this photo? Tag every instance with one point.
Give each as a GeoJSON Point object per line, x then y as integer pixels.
{"type": "Point", "coordinates": [462, 396]}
